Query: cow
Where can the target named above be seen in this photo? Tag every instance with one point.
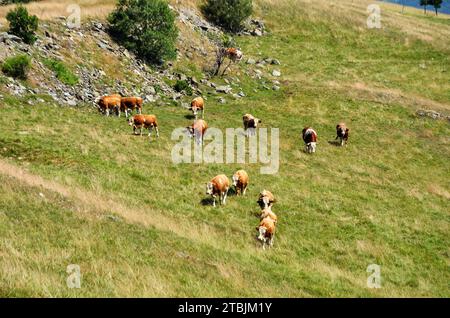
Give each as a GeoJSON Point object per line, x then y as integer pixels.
{"type": "Point", "coordinates": [267, 213]}
{"type": "Point", "coordinates": [266, 199]}
{"type": "Point", "coordinates": [197, 130]}
{"type": "Point", "coordinates": [342, 133]}
{"type": "Point", "coordinates": [144, 121]}
{"type": "Point", "coordinates": [250, 124]}
{"type": "Point", "coordinates": [108, 103]}
{"type": "Point", "coordinates": [218, 186]}
{"type": "Point", "coordinates": [310, 138]}
{"type": "Point", "coordinates": [234, 54]}
{"type": "Point", "coordinates": [266, 231]}
{"type": "Point", "coordinates": [131, 103]}
{"type": "Point", "coordinates": [198, 104]}
{"type": "Point", "coordinates": [240, 182]}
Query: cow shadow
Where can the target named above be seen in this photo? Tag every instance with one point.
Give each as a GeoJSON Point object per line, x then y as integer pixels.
{"type": "Point", "coordinates": [335, 143]}
{"type": "Point", "coordinates": [189, 116]}
{"type": "Point", "coordinates": [207, 201]}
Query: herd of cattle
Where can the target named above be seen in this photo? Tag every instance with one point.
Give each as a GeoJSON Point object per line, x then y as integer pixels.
{"type": "Point", "coordinates": [219, 185]}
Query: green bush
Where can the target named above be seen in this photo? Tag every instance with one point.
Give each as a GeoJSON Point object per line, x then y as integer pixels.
{"type": "Point", "coordinates": [146, 27]}
{"type": "Point", "coordinates": [64, 74]}
{"type": "Point", "coordinates": [22, 24]}
{"type": "Point", "coordinates": [183, 86]}
{"type": "Point", "coordinates": [17, 66]}
{"type": "Point", "coordinates": [229, 14]}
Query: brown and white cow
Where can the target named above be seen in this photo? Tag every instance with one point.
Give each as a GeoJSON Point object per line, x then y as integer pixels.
{"type": "Point", "coordinates": [234, 54]}
{"type": "Point", "coordinates": [129, 104]}
{"type": "Point", "coordinates": [197, 130]}
{"type": "Point", "coordinates": [342, 133]}
{"type": "Point", "coordinates": [266, 199]}
{"type": "Point", "coordinates": [144, 121]}
{"type": "Point", "coordinates": [218, 186]}
{"type": "Point", "coordinates": [250, 124]}
{"type": "Point", "coordinates": [108, 103]}
{"type": "Point", "coordinates": [310, 138]}
{"type": "Point", "coordinates": [240, 181]}
{"type": "Point", "coordinates": [198, 104]}
{"type": "Point", "coordinates": [267, 213]}
{"type": "Point", "coordinates": [266, 231]}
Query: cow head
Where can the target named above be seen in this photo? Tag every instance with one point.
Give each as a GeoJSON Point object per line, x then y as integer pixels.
{"type": "Point", "coordinates": [235, 180]}
{"type": "Point", "coordinates": [194, 110]}
{"type": "Point", "coordinates": [190, 131]}
{"type": "Point", "coordinates": [209, 188]}
{"type": "Point", "coordinates": [264, 202]}
{"type": "Point", "coordinates": [340, 130]}
{"type": "Point", "coordinates": [239, 55]}
{"type": "Point", "coordinates": [130, 121]}
{"type": "Point", "coordinates": [311, 147]}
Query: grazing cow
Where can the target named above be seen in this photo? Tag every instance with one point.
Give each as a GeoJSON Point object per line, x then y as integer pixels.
{"type": "Point", "coordinates": [144, 121]}
{"type": "Point", "coordinates": [310, 138]}
{"type": "Point", "coordinates": [197, 130]}
{"type": "Point", "coordinates": [266, 231]}
{"type": "Point", "coordinates": [198, 104]}
{"type": "Point", "coordinates": [342, 133]}
{"type": "Point", "coordinates": [108, 103]}
{"type": "Point", "coordinates": [130, 103]}
{"type": "Point", "coordinates": [267, 213]}
{"type": "Point", "coordinates": [240, 181]}
{"type": "Point", "coordinates": [266, 199]}
{"type": "Point", "coordinates": [234, 54]}
{"type": "Point", "coordinates": [219, 185]}
{"type": "Point", "coordinates": [250, 124]}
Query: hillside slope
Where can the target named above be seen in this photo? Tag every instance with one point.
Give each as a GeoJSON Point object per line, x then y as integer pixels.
{"type": "Point", "coordinates": [79, 188]}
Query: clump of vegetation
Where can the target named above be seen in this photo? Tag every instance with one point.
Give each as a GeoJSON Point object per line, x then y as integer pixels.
{"type": "Point", "coordinates": [229, 14]}
{"type": "Point", "coordinates": [22, 24]}
{"type": "Point", "coordinates": [146, 27]}
{"type": "Point", "coordinates": [17, 66]}
{"type": "Point", "coordinates": [181, 86]}
{"type": "Point", "coordinates": [64, 74]}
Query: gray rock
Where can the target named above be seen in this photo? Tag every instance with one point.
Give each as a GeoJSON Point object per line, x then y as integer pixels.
{"type": "Point", "coordinates": [276, 73]}
{"type": "Point", "coordinates": [71, 102]}
{"type": "Point", "coordinates": [257, 32]}
{"type": "Point", "coordinates": [222, 100]}
{"type": "Point", "coordinates": [251, 61]}
{"type": "Point", "coordinates": [224, 89]}
{"type": "Point", "coordinates": [276, 88]}
{"type": "Point", "coordinates": [151, 90]}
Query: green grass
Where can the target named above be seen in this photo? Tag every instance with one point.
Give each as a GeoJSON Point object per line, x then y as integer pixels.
{"type": "Point", "coordinates": [115, 204]}
{"type": "Point", "coordinates": [62, 72]}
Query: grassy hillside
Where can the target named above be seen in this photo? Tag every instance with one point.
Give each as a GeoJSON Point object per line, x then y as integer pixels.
{"type": "Point", "coordinates": [79, 188]}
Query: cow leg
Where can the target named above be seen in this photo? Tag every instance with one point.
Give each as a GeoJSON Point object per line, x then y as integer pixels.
{"type": "Point", "coordinates": [225, 196]}
{"type": "Point", "coordinates": [157, 132]}
{"type": "Point", "coordinates": [107, 112]}
{"type": "Point", "coordinates": [245, 190]}
{"type": "Point", "coordinates": [214, 201]}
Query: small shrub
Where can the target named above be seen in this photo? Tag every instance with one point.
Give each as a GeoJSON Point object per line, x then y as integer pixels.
{"type": "Point", "coordinates": [146, 27]}
{"type": "Point", "coordinates": [61, 71]}
{"type": "Point", "coordinates": [22, 24]}
{"type": "Point", "coordinates": [229, 14]}
{"type": "Point", "coordinates": [17, 66]}
{"type": "Point", "coordinates": [181, 86]}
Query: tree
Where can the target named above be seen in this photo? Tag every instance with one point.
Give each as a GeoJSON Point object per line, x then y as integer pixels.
{"type": "Point", "coordinates": [229, 14]}
{"type": "Point", "coordinates": [22, 24]}
{"type": "Point", "coordinates": [146, 27]}
{"type": "Point", "coordinates": [437, 5]}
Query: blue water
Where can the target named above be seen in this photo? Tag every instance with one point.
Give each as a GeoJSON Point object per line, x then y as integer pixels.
{"type": "Point", "coordinates": [445, 7]}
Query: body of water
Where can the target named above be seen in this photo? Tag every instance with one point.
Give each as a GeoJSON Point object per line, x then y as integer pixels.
{"type": "Point", "coordinates": [445, 7]}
